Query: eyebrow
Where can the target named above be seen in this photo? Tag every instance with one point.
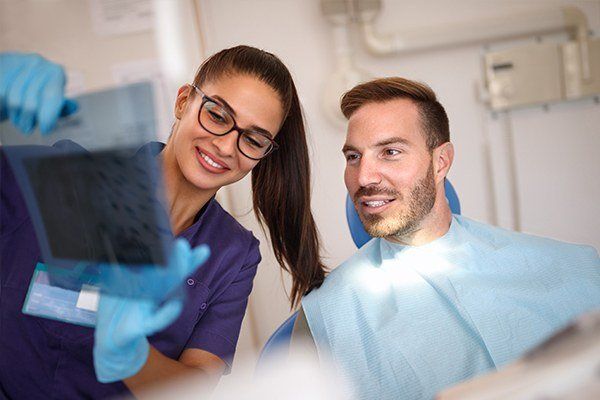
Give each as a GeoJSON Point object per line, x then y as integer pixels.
{"type": "Point", "coordinates": [254, 128]}
{"type": "Point", "coordinates": [229, 109]}
{"type": "Point", "coordinates": [348, 147]}
{"type": "Point", "coordinates": [392, 140]}
{"type": "Point", "coordinates": [385, 142]}
{"type": "Point", "coordinates": [259, 130]}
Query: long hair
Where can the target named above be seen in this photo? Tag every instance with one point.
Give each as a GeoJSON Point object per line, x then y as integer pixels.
{"type": "Point", "coordinates": [281, 181]}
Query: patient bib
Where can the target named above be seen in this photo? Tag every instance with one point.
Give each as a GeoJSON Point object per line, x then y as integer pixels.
{"type": "Point", "coordinates": [404, 322]}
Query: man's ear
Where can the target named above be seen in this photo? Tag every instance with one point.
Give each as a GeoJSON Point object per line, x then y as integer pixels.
{"type": "Point", "coordinates": [183, 96]}
{"type": "Point", "coordinates": [443, 155]}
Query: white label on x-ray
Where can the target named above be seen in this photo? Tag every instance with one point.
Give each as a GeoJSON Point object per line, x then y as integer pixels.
{"type": "Point", "coordinates": [88, 298]}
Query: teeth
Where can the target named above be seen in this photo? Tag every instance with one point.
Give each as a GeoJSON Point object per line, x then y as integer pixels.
{"type": "Point", "coordinates": [210, 161]}
{"type": "Point", "coordinates": [377, 203]}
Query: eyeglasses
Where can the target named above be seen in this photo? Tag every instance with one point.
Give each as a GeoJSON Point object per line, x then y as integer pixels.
{"type": "Point", "coordinates": [215, 119]}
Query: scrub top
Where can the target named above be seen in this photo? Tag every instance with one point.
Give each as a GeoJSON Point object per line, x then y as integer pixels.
{"type": "Point", "coordinates": [43, 358]}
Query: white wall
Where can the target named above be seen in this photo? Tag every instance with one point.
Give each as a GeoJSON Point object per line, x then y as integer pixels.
{"type": "Point", "coordinates": [62, 30]}
{"type": "Point", "coordinates": [555, 149]}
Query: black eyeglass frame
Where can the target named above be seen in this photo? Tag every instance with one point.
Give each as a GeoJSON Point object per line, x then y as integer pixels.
{"type": "Point", "coordinates": [235, 127]}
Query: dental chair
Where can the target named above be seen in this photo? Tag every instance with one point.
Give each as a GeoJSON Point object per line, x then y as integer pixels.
{"type": "Point", "coordinates": [280, 339]}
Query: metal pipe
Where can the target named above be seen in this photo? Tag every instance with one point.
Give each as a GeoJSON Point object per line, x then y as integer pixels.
{"type": "Point", "coordinates": [346, 73]}
{"type": "Point", "coordinates": [485, 30]}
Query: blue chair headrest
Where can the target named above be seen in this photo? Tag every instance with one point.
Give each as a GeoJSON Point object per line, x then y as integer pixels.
{"type": "Point", "coordinates": [360, 236]}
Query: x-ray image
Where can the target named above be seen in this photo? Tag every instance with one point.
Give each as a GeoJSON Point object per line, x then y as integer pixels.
{"type": "Point", "coordinates": [98, 207]}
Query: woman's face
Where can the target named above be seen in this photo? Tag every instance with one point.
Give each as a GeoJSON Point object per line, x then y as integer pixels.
{"type": "Point", "coordinates": [208, 161]}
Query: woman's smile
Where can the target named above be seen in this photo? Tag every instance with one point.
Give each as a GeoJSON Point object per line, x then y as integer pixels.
{"type": "Point", "coordinates": [210, 163]}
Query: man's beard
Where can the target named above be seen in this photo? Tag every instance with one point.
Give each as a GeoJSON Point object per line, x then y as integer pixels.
{"type": "Point", "coordinates": [420, 202]}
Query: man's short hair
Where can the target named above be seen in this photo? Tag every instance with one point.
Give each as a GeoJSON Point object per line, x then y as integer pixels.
{"type": "Point", "coordinates": [434, 120]}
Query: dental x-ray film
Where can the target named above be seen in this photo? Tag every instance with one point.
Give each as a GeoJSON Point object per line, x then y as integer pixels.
{"type": "Point", "coordinates": [93, 196]}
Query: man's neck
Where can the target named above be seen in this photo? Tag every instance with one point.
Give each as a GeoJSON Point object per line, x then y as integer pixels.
{"type": "Point", "coordinates": [435, 225]}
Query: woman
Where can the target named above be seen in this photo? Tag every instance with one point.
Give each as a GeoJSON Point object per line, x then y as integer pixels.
{"type": "Point", "coordinates": [241, 114]}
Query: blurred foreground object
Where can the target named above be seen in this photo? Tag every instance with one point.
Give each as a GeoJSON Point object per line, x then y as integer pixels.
{"type": "Point", "coordinates": [566, 367]}
{"type": "Point", "coordinates": [94, 194]}
{"type": "Point", "coordinates": [295, 377]}
{"type": "Point", "coordinates": [123, 323]}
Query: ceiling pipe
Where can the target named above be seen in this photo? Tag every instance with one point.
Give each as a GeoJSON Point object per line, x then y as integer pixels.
{"type": "Point", "coordinates": [481, 31]}
{"type": "Point", "coordinates": [346, 74]}
{"type": "Point", "coordinates": [471, 32]}
{"type": "Point", "coordinates": [576, 21]}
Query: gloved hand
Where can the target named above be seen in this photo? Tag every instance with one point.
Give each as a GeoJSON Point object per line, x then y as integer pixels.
{"type": "Point", "coordinates": [123, 322]}
{"type": "Point", "coordinates": [32, 91]}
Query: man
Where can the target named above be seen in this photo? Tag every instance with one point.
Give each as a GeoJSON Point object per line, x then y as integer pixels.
{"type": "Point", "coordinates": [435, 298]}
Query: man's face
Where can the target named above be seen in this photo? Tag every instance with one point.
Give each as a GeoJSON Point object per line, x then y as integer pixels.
{"type": "Point", "coordinates": [389, 170]}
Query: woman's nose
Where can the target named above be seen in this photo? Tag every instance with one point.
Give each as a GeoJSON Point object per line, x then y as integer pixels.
{"type": "Point", "coordinates": [227, 144]}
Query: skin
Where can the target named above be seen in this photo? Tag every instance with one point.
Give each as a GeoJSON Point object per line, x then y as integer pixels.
{"type": "Point", "coordinates": [395, 181]}
{"type": "Point", "coordinates": [190, 183]}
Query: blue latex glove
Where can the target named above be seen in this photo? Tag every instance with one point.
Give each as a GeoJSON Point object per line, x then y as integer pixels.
{"type": "Point", "coordinates": [32, 92]}
{"type": "Point", "coordinates": [123, 323]}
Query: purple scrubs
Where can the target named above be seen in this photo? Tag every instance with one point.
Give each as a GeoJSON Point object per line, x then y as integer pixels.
{"type": "Point", "coordinates": [42, 358]}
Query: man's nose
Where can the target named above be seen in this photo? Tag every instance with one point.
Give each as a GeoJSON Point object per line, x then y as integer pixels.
{"type": "Point", "coordinates": [368, 173]}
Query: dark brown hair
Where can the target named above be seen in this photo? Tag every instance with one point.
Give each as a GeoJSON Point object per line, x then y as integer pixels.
{"type": "Point", "coordinates": [280, 181]}
{"type": "Point", "coordinates": [434, 120]}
